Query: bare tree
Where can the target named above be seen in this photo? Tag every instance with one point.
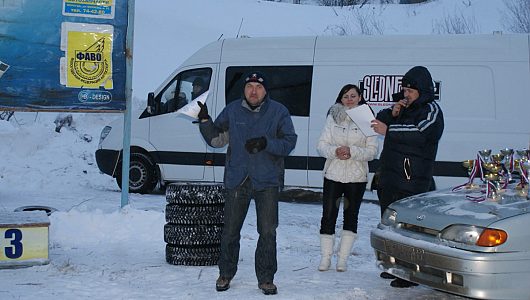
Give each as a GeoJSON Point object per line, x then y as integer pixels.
{"type": "Point", "coordinates": [455, 24]}
{"type": "Point", "coordinates": [368, 23]}
{"type": "Point", "coordinates": [518, 16]}
{"type": "Point", "coordinates": [411, 1]}
{"type": "Point", "coordinates": [342, 3]}
{"type": "Point", "coordinates": [359, 22]}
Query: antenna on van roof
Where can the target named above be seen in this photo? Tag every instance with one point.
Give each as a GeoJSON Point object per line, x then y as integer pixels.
{"type": "Point", "coordinates": [240, 24]}
{"type": "Point", "coordinates": [220, 36]}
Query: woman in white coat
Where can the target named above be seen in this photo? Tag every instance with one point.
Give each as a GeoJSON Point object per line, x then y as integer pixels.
{"type": "Point", "coordinates": [347, 151]}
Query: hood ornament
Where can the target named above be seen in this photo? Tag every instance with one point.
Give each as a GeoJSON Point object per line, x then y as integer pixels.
{"type": "Point", "coordinates": [420, 217]}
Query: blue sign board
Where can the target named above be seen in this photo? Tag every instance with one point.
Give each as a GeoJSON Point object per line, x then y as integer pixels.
{"type": "Point", "coordinates": [63, 55]}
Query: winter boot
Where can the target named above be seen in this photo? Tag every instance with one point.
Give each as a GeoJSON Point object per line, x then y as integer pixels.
{"type": "Point", "coordinates": [346, 244]}
{"type": "Point", "coordinates": [326, 251]}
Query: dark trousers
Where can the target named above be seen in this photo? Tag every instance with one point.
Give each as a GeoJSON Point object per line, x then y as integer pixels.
{"type": "Point", "coordinates": [332, 191]}
{"type": "Point", "coordinates": [237, 202]}
{"type": "Point", "coordinates": [388, 196]}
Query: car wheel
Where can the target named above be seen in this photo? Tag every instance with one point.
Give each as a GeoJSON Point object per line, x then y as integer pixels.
{"type": "Point", "coordinates": [192, 256]}
{"type": "Point", "coordinates": [142, 174]}
{"type": "Point", "coordinates": [195, 194]}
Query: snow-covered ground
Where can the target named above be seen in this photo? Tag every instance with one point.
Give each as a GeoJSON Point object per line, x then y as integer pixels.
{"type": "Point", "coordinates": [100, 251]}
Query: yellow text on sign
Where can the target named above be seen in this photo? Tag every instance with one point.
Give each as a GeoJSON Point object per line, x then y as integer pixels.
{"type": "Point", "coordinates": [23, 243]}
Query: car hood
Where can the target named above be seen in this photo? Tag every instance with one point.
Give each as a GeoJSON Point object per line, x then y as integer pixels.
{"type": "Point", "coordinates": [439, 209]}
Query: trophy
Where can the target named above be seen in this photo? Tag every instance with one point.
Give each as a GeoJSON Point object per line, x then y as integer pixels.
{"type": "Point", "coordinates": [493, 179]}
{"type": "Point", "coordinates": [485, 155]}
{"type": "Point", "coordinates": [471, 167]}
{"type": "Point", "coordinates": [509, 163]}
{"type": "Point", "coordinates": [507, 152]}
{"type": "Point", "coordinates": [492, 167]}
{"type": "Point", "coordinates": [523, 154]}
{"type": "Point", "coordinates": [505, 162]}
{"type": "Point", "coordinates": [497, 158]}
{"type": "Point", "coordinates": [493, 186]}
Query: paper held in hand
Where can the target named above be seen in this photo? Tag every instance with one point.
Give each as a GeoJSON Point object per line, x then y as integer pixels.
{"type": "Point", "coordinates": [192, 109]}
{"type": "Point", "coordinates": [362, 116]}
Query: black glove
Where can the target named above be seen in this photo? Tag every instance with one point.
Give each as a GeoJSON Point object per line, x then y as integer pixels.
{"type": "Point", "coordinates": [203, 113]}
{"type": "Point", "coordinates": [255, 145]}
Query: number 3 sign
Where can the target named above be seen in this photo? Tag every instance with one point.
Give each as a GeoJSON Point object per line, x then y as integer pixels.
{"type": "Point", "coordinates": [24, 239]}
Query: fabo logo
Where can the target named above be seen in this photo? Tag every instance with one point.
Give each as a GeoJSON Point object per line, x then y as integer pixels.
{"type": "Point", "coordinates": [89, 66]}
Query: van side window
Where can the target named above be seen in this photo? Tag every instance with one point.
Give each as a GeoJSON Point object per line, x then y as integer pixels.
{"type": "Point", "coordinates": [186, 86]}
{"type": "Point", "coordinates": [289, 85]}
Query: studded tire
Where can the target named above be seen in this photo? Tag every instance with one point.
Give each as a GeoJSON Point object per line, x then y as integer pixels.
{"type": "Point", "coordinates": [192, 235]}
{"type": "Point", "coordinates": [195, 194]}
{"type": "Point", "coordinates": [192, 256]}
{"type": "Point", "coordinates": [194, 215]}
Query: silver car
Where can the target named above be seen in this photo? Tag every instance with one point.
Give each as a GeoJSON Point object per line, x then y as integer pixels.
{"type": "Point", "coordinates": [459, 242]}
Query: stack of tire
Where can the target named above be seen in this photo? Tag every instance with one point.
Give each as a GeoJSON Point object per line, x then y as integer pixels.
{"type": "Point", "coordinates": [194, 216]}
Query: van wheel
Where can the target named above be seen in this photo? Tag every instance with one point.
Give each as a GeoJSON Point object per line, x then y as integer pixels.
{"type": "Point", "coordinates": [142, 174]}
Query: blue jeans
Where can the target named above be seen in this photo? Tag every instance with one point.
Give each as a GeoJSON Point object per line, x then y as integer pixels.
{"type": "Point", "coordinates": [237, 201]}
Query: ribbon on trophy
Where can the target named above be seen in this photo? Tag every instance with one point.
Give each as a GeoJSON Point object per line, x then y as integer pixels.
{"type": "Point", "coordinates": [481, 161]}
{"type": "Point", "coordinates": [524, 175]}
{"type": "Point", "coordinates": [472, 175]}
{"type": "Point", "coordinates": [511, 163]}
{"type": "Point", "coordinates": [490, 189]}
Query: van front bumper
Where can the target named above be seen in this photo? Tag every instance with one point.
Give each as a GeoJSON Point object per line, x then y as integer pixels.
{"type": "Point", "coordinates": [107, 160]}
{"type": "Point", "coordinates": [472, 274]}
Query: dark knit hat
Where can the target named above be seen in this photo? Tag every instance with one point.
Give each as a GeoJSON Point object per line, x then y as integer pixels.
{"type": "Point", "coordinates": [409, 83]}
{"type": "Point", "coordinates": [417, 78]}
{"type": "Point", "coordinates": [256, 77]}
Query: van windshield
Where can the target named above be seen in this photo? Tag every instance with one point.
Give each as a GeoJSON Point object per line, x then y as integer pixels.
{"type": "Point", "coordinates": [186, 86]}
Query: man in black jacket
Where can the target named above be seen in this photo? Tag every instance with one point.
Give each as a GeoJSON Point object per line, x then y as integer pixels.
{"type": "Point", "coordinates": [412, 128]}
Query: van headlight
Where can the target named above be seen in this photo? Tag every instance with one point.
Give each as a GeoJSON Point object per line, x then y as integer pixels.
{"type": "Point", "coordinates": [474, 235]}
{"type": "Point", "coordinates": [106, 130]}
{"type": "Point", "coordinates": [389, 217]}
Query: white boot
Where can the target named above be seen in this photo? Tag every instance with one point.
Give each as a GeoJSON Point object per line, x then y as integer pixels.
{"type": "Point", "coordinates": [326, 251]}
{"type": "Point", "coordinates": [346, 244]}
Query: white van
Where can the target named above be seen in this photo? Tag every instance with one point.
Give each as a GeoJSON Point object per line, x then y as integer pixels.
{"type": "Point", "coordinates": [482, 85]}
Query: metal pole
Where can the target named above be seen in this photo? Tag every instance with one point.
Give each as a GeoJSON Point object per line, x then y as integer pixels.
{"type": "Point", "coordinates": [128, 105]}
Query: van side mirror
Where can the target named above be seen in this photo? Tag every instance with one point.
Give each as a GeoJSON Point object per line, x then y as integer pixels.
{"type": "Point", "coordinates": [151, 105]}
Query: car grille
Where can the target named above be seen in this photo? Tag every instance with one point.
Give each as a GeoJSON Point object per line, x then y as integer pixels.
{"type": "Point", "coordinates": [419, 229]}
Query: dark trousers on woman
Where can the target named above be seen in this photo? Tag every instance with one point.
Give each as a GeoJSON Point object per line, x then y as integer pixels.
{"type": "Point", "coordinates": [236, 207]}
{"type": "Point", "coordinates": [353, 194]}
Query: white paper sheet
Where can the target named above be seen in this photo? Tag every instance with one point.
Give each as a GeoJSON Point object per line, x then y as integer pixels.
{"type": "Point", "coordinates": [192, 109]}
{"type": "Point", "coordinates": [362, 116]}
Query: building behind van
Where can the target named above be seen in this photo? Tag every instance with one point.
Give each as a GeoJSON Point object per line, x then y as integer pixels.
{"type": "Point", "coordinates": [482, 84]}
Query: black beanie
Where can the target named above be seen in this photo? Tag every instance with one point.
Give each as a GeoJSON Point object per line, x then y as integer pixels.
{"type": "Point", "coordinates": [418, 78]}
{"type": "Point", "coordinates": [256, 77]}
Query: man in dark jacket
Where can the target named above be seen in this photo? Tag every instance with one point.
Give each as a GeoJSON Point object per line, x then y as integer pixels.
{"type": "Point", "coordinates": [259, 133]}
{"type": "Point", "coordinates": [412, 128]}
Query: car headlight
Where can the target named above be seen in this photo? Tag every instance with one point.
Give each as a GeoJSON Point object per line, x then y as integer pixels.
{"type": "Point", "coordinates": [474, 235]}
{"type": "Point", "coordinates": [389, 217]}
{"type": "Point", "coordinates": [106, 130]}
